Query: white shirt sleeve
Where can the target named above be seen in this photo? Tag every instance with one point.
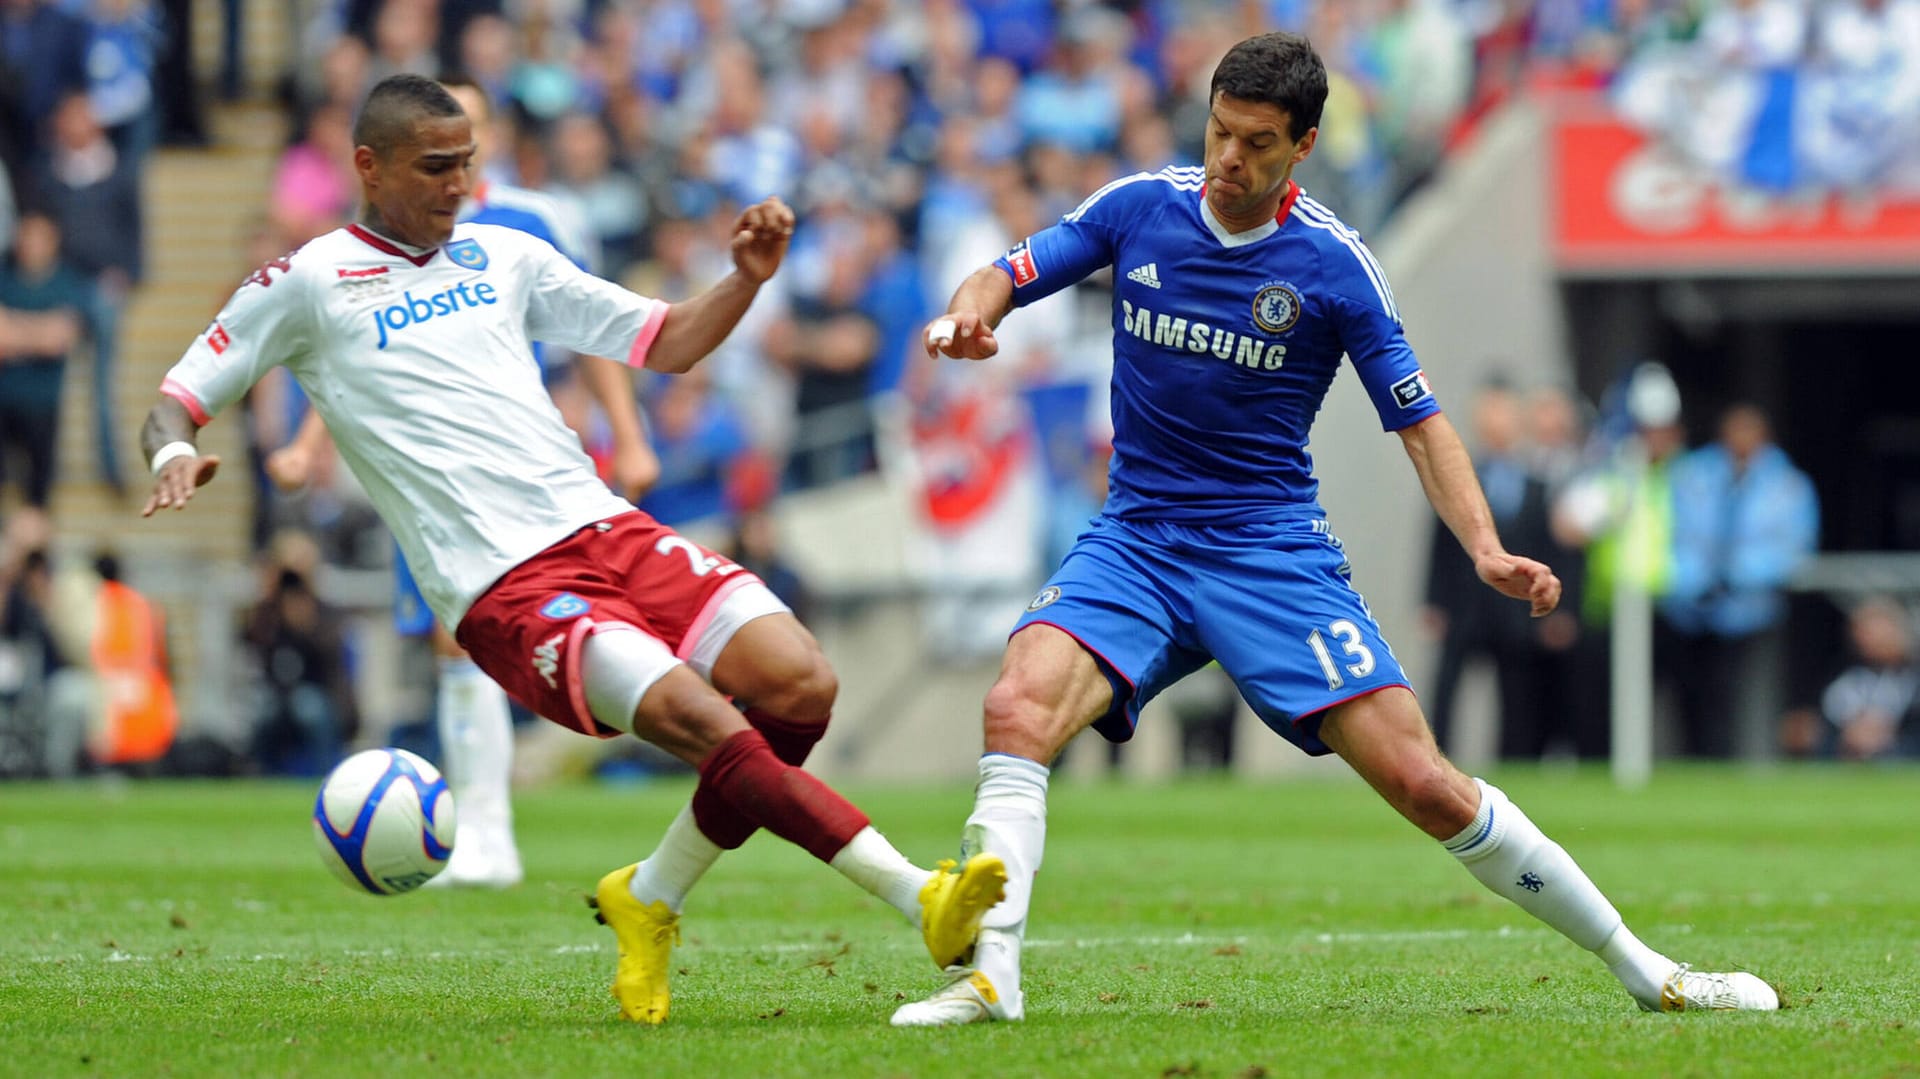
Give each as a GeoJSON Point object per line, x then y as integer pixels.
{"type": "Point", "coordinates": [574, 309]}
{"type": "Point", "coordinates": [264, 324]}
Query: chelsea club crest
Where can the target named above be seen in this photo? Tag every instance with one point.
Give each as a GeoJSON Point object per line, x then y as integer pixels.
{"type": "Point", "coordinates": [467, 254]}
{"type": "Point", "coordinates": [1276, 308]}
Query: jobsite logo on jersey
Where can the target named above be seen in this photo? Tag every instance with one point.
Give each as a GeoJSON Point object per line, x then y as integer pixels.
{"type": "Point", "coordinates": [413, 310]}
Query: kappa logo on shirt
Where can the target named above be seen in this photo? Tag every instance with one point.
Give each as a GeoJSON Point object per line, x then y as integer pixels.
{"type": "Point", "coordinates": [1412, 389]}
{"type": "Point", "coordinates": [371, 271]}
{"type": "Point", "coordinates": [1025, 270]}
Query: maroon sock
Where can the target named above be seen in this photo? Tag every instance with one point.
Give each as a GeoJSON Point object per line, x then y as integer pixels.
{"type": "Point", "coordinates": [744, 778]}
{"type": "Point", "coordinates": [718, 821]}
{"type": "Point", "coordinates": [791, 741]}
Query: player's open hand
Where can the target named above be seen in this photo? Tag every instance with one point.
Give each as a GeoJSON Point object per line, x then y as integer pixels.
{"type": "Point", "coordinates": [177, 481]}
{"type": "Point", "coordinates": [760, 238]}
{"type": "Point", "coordinates": [1521, 578]}
{"type": "Point", "coordinates": [964, 335]}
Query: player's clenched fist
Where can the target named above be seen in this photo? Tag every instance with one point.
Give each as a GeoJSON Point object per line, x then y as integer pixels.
{"type": "Point", "coordinates": [964, 335]}
{"type": "Point", "coordinates": [760, 238]}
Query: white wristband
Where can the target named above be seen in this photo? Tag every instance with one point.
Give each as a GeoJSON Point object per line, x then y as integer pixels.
{"type": "Point", "coordinates": [170, 451]}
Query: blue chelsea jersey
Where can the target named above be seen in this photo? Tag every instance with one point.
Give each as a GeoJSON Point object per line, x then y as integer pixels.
{"type": "Point", "coordinates": [1224, 344]}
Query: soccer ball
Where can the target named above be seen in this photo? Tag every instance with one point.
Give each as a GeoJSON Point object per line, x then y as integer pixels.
{"type": "Point", "coordinates": [384, 821]}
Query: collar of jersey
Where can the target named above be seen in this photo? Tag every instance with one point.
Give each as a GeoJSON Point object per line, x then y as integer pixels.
{"type": "Point", "coordinates": [419, 256]}
{"type": "Point", "coordinates": [1253, 235]}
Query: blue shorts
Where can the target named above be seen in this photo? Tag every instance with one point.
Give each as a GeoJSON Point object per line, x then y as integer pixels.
{"type": "Point", "coordinates": [411, 615]}
{"type": "Point", "coordinates": [1272, 602]}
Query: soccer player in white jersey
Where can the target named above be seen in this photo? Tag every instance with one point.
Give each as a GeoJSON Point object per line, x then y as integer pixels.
{"type": "Point", "coordinates": [1236, 297]}
{"type": "Point", "coordinates": [410, 332]}
{"type": "Point", "coordinates": [471, 713]}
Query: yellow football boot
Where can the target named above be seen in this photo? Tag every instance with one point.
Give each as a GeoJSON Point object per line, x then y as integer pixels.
{"type": "Point", "coordinates": [646, 934]}
{"type": "Point", "coordinates": [952, 904]}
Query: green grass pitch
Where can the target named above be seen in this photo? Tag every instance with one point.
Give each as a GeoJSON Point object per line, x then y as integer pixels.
{"type": "Point", "coordinates": [1200, 928]}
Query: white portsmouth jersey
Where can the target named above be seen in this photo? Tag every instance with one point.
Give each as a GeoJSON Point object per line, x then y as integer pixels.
{"type": "Point", "coordinates": [420, 363]}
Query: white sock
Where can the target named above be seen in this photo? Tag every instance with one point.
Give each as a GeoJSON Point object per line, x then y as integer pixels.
{"type": "Point", "coordinates": [1009, 819]}
{"type": "Point", "coordinates": [476, 734]}
{"type": "Point", "coordinates": [682, 858]}
{"type": "Point", "coordinates": [1511, 856]}
{"type": "Point", "coordinates": [1641, 969]}
{"type": "Point", "coordinates": [871, 862]}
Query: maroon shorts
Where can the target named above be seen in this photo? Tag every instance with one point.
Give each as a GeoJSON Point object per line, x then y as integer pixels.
{"type": "Point", "coordinates": [529, 630]}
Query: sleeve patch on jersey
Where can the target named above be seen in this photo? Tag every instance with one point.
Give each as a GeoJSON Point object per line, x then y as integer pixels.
{"type": "Point", "coordinates": [217, 339]}
{"type": "Point", "coordinates": [1025, 272]}
{"type": "Point", "coordinates": [1412, 389]}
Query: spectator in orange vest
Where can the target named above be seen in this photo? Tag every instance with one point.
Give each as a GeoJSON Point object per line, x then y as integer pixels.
{"type": "Point", "coordinates": [129, 652]}
{"type": "Point", "coordinates": [119, 637]}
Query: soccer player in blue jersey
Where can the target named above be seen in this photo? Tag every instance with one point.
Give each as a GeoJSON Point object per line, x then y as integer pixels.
{"type": "Point", "coordinates": [1235, 297]}
{"type": "Point", "coordinates": [471, 712]}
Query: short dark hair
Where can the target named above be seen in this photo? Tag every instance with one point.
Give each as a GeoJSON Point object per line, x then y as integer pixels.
{"type": "Point", "coordinates": [1280, 69]}
{"type": "Point", "coordinates": [393, 106]}
{"type": "Point", "coordinates": [458, 81]}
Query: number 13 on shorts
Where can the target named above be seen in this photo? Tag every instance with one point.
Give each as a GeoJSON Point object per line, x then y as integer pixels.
{"type": "Point", "coordinates": [1356, 660]}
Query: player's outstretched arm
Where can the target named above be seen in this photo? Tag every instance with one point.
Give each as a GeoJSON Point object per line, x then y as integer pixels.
{"type": "Point", "coordinates": [1446, 474]}
{"type": "Point", "coordinates": [965, 332]}
{"type": "Point", "coordinates": [167, 438]}
{"type": "Point", "coordinates": [695, 327]}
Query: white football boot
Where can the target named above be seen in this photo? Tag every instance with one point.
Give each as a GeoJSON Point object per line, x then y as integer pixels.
{"type": "Point", "coordinates": [1687, 990]}
{"type": "Point", "coordinates": [968, 998]}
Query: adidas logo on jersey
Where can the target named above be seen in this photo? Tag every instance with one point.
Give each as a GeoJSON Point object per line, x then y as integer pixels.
{"type": "Point", "coordinates": [1148, 275]}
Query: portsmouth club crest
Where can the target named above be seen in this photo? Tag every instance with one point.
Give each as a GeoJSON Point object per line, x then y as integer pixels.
{"type": "Point", "coordinates": [467, 254]}
{"type": "Point", "coordinates": [564, 605]}
{"type": "Point", "coordinates": [1276, 307]}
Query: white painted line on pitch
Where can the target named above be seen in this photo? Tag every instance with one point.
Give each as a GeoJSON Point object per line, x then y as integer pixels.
{"type": "Point", "coordinates": [1183, 940]}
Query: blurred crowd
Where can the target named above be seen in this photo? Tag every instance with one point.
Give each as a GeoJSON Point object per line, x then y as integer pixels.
{"type": "Point", "coordinates": [1782, 96]}
{"type": "Point", "coordinates": [1613, 498]}
{"type": "Point", "coordinates": [916, 140]}
{"type": "Point", "coordinates": [84, 100]}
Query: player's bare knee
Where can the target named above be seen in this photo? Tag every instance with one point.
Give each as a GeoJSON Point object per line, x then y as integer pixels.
{"type": "Point", "coordinates": [1019, 720]}
{"type": "Point", "coordinates": [805, 696]}
{"type": "Point", "coordinates": [1429, 794]}
{"type": "Point", "coordinates": [684, 716]}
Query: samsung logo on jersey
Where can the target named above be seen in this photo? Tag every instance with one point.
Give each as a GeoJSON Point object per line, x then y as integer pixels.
{"type": "Point", "coordinates": [1172, 331]}
{"type": "Point", "coordinates": [412, 309]}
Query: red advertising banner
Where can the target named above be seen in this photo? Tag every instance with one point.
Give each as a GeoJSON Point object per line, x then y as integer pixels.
{"type": "Point", "coordinates": [1622, 203]}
